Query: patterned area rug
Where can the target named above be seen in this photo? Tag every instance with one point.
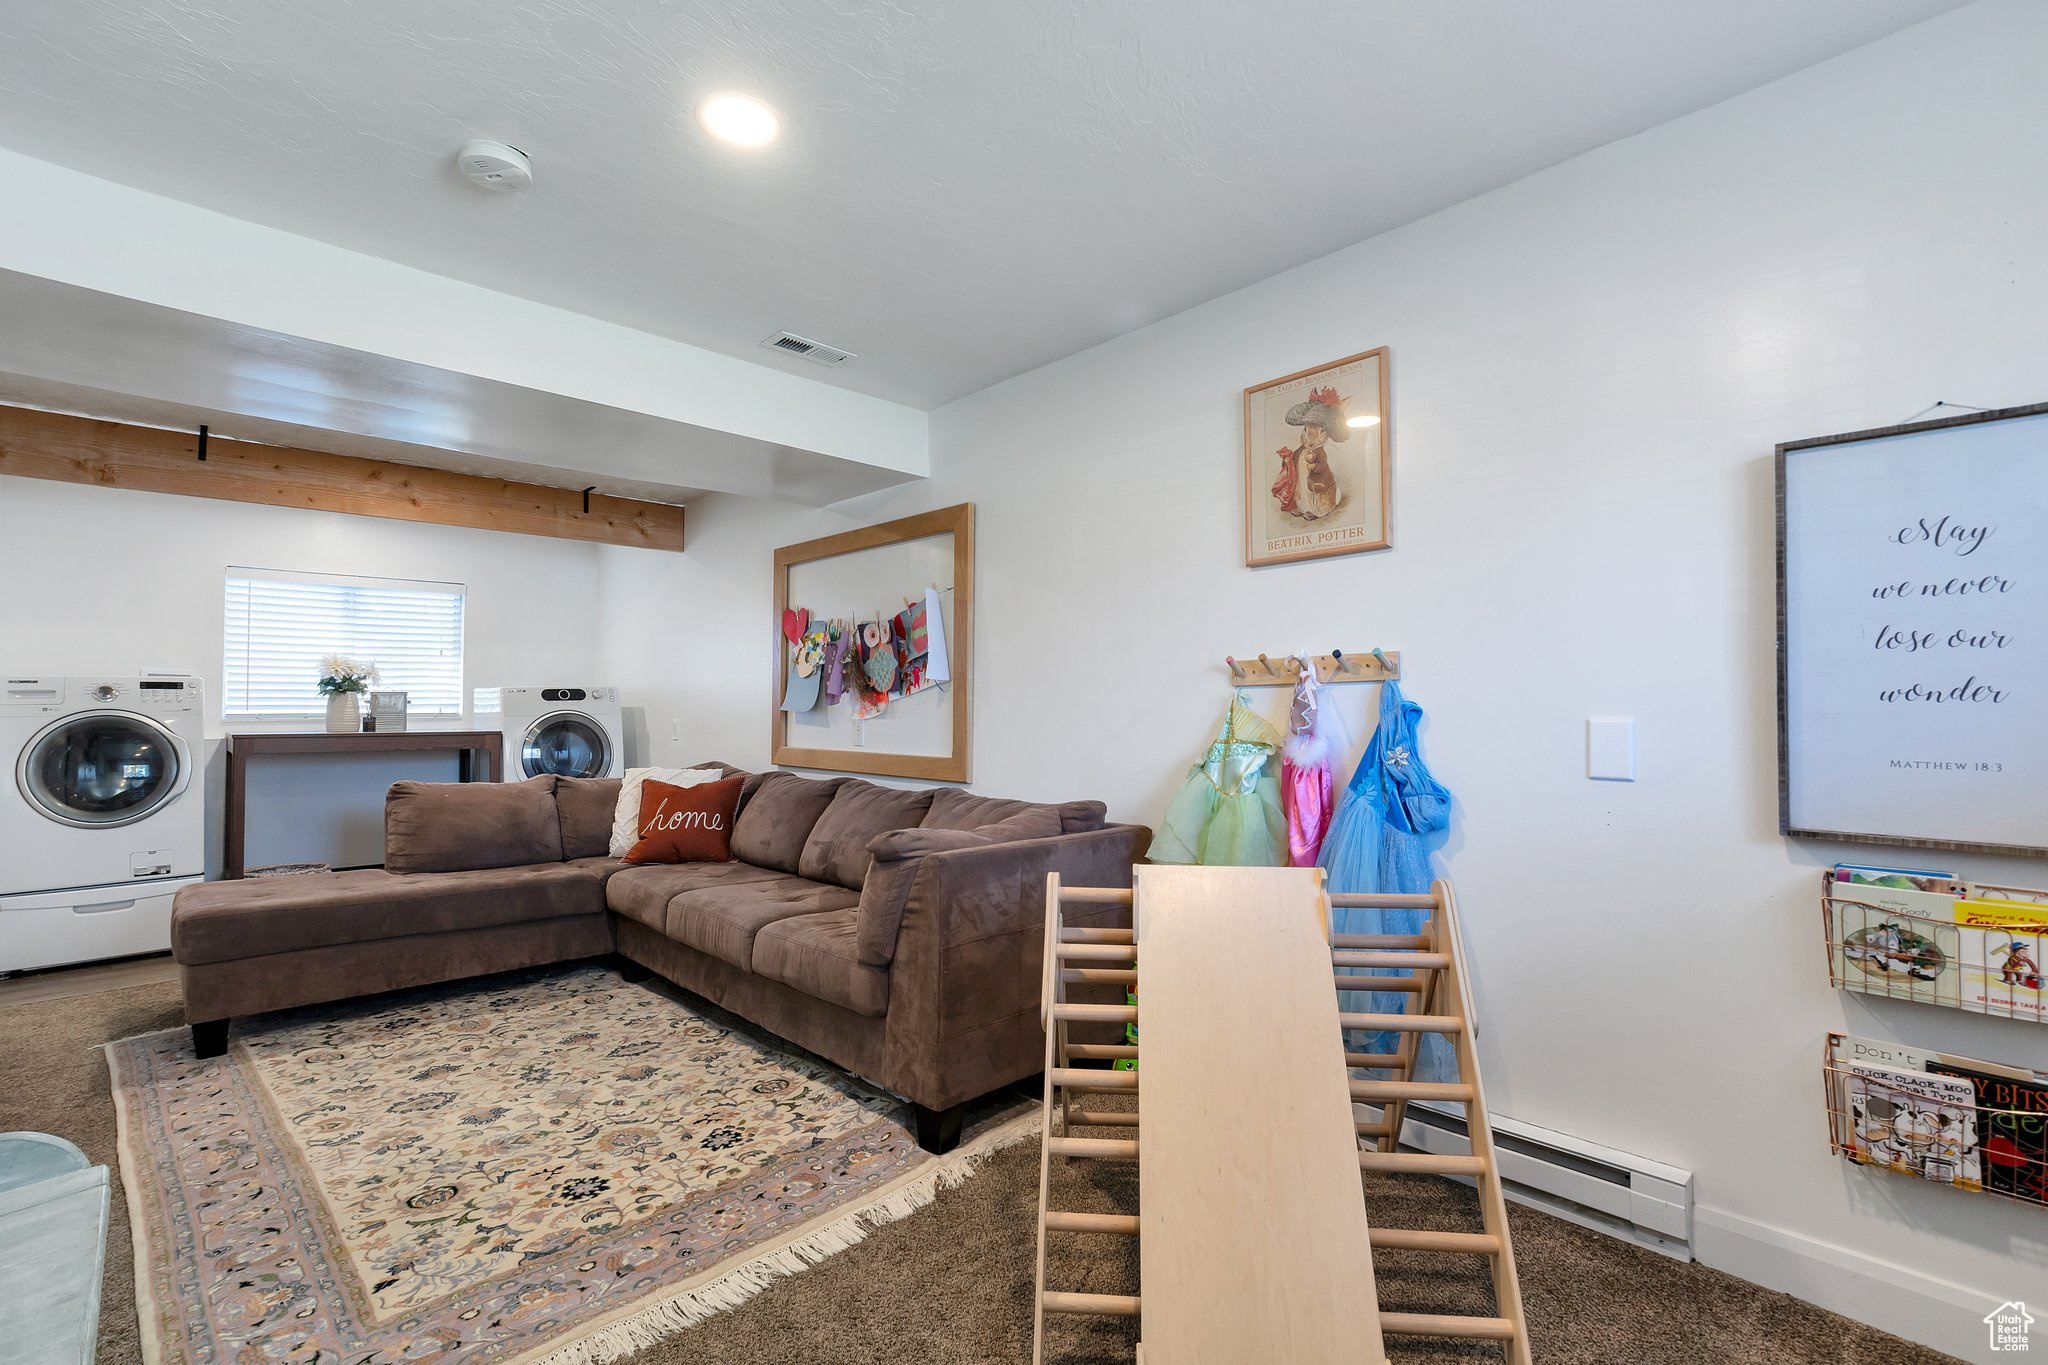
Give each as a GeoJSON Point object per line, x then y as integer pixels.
{"type": "Point", "coordinates": [554, 1166]}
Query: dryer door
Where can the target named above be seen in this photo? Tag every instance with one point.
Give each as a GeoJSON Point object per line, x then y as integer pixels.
{"type": "Point", "coordinates": [102, 769]}
{"type": "Point", "coordinates": [567, 744]}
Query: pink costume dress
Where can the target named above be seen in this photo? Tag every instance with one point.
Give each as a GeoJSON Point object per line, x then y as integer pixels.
{"type": "Point", "coordinates": [1306, 786]}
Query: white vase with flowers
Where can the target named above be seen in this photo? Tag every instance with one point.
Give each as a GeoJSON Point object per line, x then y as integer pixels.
{"type": "Point", "coordinates": [343, 681]}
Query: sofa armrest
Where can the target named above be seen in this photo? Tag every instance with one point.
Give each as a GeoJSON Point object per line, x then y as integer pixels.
{"type": "Point", "coordinates": [972, 879]}
{"type": "Point", "coordinates": [965, 979]}
{"type": "Point", "coordinates": [975, 894]}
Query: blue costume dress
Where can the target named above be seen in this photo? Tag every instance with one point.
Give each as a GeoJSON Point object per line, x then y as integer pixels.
{"type": "Point", "coordinates": [1380, 841]}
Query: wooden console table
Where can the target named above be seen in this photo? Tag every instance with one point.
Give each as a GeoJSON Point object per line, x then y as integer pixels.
{"type": "Point", "coordinates": [466, 744]}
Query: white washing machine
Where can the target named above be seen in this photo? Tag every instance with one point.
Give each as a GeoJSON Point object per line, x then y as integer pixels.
{"type": "Point", "coordinates": [105, 818]}
{"type": "Point", "coordinates": [567, 731]}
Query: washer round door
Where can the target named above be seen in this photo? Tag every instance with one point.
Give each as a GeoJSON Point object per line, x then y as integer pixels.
{"type": "Point", "coordinates": [567, 744]}
{"type": "Point", "coordinates": [102, 769]}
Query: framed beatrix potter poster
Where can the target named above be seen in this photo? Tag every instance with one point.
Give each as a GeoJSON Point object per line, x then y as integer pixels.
{"type": "Point", "coordinates": [1316, 472]}
{"type": "Point", "coordinates": [1913, 634]}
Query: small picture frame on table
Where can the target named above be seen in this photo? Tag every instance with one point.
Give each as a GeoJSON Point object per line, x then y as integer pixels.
{"type": "Point", "coordinates": [387, 713]}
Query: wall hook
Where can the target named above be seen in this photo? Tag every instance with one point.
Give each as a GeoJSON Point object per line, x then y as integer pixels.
{"type": "Point", "coordinates": [586, 498]}
{"type": "Point", "coordinates": [202, 444]}
{"type": "Point", "coordinates": [1383, 660]}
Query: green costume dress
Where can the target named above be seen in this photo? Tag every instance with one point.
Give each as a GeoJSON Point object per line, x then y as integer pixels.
{"type": "Point", "coordinates": [1227, 813]}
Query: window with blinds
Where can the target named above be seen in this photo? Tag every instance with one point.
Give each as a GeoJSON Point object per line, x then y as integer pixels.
{"type": "Point", "coordinates": [281, 624]}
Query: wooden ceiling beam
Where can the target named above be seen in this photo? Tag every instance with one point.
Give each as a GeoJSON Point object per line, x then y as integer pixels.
{"type": "Point", "coordinates": [49, 445]}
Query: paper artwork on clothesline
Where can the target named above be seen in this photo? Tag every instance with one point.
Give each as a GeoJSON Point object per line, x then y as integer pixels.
{"type": "Point", "coordinates": [870, 661]}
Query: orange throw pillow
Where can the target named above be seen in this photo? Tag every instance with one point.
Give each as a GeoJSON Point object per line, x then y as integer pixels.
{"type": "Point", "coordinates": [686, 824]}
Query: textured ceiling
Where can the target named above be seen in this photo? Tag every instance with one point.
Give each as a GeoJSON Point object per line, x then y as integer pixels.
{"type": "Point", "coordinates": [963, 190]}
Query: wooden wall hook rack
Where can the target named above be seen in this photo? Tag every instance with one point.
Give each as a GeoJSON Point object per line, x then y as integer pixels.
{"type": "Point", "coordinates": [1339, 665]}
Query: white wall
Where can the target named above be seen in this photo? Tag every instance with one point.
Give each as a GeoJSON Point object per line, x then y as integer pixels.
{"type": "Point", "coordinates": [1590, 369]}
{"type": "Point", "coordinates": [64, 225]}
{"type": "Point", "coordinates": [100, 580]}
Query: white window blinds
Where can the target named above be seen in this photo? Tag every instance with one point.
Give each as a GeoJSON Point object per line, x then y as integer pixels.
{"type": "Point", "coordinates": [281, 624]}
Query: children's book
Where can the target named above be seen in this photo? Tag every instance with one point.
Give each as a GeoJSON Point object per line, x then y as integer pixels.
{"type": "Point", "coordinates": [1895, 878]}
{"type": "Point", "coordinates": [1917, 1122]}
{"type": "Point", "coordinates": [2001, 947]}
{"type": "Point", "coordinates": [2012, 1130]}
{"type": "Point", "coordinates": [1893, 934]}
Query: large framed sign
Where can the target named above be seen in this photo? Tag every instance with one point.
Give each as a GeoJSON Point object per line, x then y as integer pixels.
{"type": "Point", "coordinates": [1913, 634]}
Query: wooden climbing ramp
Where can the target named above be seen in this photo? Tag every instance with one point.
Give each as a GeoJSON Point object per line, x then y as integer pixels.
{"type": "Point", "coordinates": [1253, 1156]}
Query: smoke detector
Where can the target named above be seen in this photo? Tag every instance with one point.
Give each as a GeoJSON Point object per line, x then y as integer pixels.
{"type": "Point", "coordinates": [817, 352]}
{"type": "Point", "coordinates": [495, 166]}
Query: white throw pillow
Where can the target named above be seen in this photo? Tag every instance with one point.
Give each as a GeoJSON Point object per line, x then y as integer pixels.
{"type": "Point", "coordinates": [626, 815]}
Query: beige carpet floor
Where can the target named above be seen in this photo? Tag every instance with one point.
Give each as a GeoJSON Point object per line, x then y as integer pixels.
{"type": "Point", "coordinates": [952, 1283]}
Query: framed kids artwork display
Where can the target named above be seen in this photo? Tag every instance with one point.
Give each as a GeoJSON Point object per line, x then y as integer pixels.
{"type": "Point", "coordinates": [1316, 474]}
{"type": "Point", "coordinates": [873, 649]}
{"type": "Point", "coordinates": [1913, 634]}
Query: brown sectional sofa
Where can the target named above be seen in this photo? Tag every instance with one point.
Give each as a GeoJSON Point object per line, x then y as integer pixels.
{"type": "Point", "coordinates": [895, 933]}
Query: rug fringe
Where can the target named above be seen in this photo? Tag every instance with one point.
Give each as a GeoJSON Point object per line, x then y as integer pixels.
{"type": "Point", "coordinates": [657, 1322]}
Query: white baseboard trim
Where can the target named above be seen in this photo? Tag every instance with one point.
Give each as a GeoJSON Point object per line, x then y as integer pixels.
{"type": "Point", "coordinates": [1907, 1303]}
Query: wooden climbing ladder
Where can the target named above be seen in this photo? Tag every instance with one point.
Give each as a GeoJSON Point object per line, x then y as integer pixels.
{"type": "Point", "coordinates": [1246, 1071]}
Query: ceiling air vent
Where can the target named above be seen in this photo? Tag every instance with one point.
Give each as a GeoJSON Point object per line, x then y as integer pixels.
{"type": "Point", "coordinates": [815, 351]}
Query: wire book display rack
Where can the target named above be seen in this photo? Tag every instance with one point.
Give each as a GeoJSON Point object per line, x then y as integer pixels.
{"type": "Point", "coordinates": [1959, 1122]}
{"type": "Point", "coordinates": [1979, 964]}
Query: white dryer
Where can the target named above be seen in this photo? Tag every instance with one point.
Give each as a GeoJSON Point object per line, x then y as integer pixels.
{"type": "Point", "coordinates": [105, 818]}
{"type": "Point", "coordinates": [567, 731]}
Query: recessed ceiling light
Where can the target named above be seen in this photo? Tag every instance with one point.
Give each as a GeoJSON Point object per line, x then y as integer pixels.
{"type": "Point", "coordinates": [738, 119]}
{"type": "Point", "coordinates": [1364, 420]}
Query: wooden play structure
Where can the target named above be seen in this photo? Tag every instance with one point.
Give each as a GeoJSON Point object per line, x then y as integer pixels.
{"type": "Point", "coordinates": [1253, 1239]}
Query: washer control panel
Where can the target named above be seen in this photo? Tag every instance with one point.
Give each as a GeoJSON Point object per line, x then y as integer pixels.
{"type": "Point", "coordinates": [182, 693]}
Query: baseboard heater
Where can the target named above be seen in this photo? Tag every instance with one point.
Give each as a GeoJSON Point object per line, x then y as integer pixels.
{"type": "Point", "coordinates": [1626, 1196]}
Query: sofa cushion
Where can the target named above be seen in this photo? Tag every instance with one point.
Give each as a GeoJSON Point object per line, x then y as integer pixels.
{"type": "Point", "coordinates": [750, 782]}
{"type": "Point", "coordinates": [722, 920]}
{"type": "Point", "coordinates": [459, 826]}
{"type": "Point", "coordinates": [1082, 817]}
{"type": "Point", "coordinates": [956, 809]}
{"type": "Point", "coordinates": [229, 921]}
{"type": "Point", "coordinates": [778, 818]}
{"type": "Point", "coordinates": [837, 850]}
{"type": "Point", "coordinates": [584, 807]}
{"type": "Point", "coordinates": [603, 867]}
{"type": "Point", "coordinates": [816, 954]}
{"type": "Point", "coordinates": [643, 893]}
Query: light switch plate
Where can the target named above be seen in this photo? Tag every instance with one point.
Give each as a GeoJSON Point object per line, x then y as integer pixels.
{"type": "Point", "coordinates": [1611, 749]}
